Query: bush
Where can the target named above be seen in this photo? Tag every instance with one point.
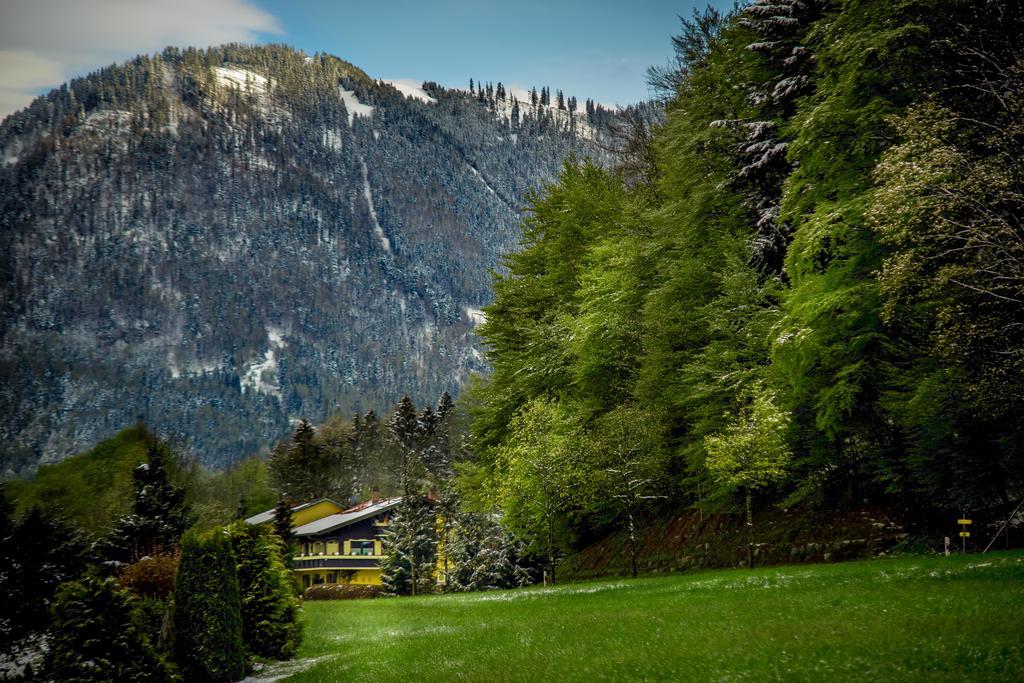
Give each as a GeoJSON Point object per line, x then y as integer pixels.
{"type": "Point", "coordinates": [150, 577]}
{"type": "Point", "coordinates": [207, 610]}
{"type": "Point", "coordinates": [96, 636]}
{"type": "Point", "coordinates": [270, 604]}
{"type": "Point", "coordinates": [341, 592]}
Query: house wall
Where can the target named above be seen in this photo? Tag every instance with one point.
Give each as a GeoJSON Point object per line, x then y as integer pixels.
{"type": "Point", "coordinates": [328, 556]}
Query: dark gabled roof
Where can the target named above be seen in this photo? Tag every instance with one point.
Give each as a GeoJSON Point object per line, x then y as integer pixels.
{"type": "Point", "coordinates": [343, 519]}
{"type": "Point", "coordinates": [268, 515]}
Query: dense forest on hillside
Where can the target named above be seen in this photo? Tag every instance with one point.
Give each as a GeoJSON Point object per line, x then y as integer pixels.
{"type": "Point", "coordinates": [803, 287]}
{"type": "Point", "coordinates": [218, 241]}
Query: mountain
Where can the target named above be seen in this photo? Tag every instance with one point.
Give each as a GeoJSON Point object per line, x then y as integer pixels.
{"type": "Point", "coordinates": [216, 242]}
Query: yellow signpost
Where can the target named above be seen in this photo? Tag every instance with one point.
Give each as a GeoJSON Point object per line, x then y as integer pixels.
{"type": "Point", "coordinates": [964, 533]}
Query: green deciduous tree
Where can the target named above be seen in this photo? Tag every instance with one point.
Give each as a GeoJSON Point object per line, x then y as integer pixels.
{"type": "Point", "coordinates": [752, 453]}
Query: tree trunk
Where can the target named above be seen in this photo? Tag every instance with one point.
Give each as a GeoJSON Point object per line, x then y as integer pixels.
{"type": "Point", "coordinates": [750, 531]}
{"type": "Point", "coordinates": [632, 543]}
{"type": "Point", "coordinates": [551, 547]}
{"type": "Point", "coordinates": [412, 571]}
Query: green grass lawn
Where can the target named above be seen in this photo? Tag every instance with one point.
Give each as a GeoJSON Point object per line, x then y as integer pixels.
{"type": "Point", "coordinates": [935, 618]}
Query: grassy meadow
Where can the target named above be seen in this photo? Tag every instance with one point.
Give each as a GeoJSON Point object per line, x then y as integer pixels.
{"type": "Point", "coordinates": [916, 618]}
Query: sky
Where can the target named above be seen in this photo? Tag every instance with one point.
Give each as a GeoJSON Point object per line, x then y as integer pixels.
{"type": "Point", "coordinates": [598, 49]}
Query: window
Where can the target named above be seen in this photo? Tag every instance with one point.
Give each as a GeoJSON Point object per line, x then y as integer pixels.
{"type": "Point", "coordinates": [361, 547]}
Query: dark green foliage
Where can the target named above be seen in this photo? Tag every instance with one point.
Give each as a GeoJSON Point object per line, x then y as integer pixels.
{"type": "Point", "coordinates": [38, 552]}
{"type": "Point", "coordinates": [96, 635]}
{"type": "Point", "coordinates": [159, 514]}
{"type": "Point", "coordinates": [270, 605]}
{"type": "Point", "coordinates": [207, 610]}
{"type": "Point", "coordinates": [410, 549]}
{"type": "Point", "coordinates": [283, 524]}
{"type": "Point", "coordinates": [298, 467]}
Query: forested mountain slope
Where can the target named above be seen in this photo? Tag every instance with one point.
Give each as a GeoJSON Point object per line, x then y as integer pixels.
{"type": "Point", "coordinates": [218, 241]}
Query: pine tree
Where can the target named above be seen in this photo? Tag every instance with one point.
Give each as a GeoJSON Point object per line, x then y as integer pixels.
{"type": "Point", "coordinates": [95, 635]}
{"type": "Point", "coordinates": [410, 549]}
{"type": "Point", "coordinates": [298, 467]}
{"type": "Point", "coordinates": [39, 553]}
{"type": "Point", "coordinates": [406, 429]}
{"type": "Point", "coordinates": [160, 514]}
{"type": "Point", "coordinates": [283, 526]}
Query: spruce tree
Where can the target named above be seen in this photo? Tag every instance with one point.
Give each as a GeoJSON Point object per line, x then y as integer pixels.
{"type": "Point", "coordinates": [160, 514]}
{"type": "Point", "coordinates": [39, 553]}
{"type": "Point", "coordinates": [407, 431]}
{"type": "Point", "coordinates": [410, 549]}
{"type": "Point", "coordinates": [298, 467]}
{"type": "Point", "coordinates": [95, 635]}
{"type": "Point", "coordinates": [283, 525]}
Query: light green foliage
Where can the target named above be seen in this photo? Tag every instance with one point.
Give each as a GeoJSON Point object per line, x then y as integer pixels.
{"type": "Point", "coordinates": [92, 488]}
{"type": "Point", "coordinates": [536, 301]}
{"type": "Point", "coordinates": [220, 495]}
{"type": "Point", "coordinates": [908, 619]}
{"type": "Point", "coordinates": [536, 472]}
{"type": "Point", "coordinates": [753, 451]}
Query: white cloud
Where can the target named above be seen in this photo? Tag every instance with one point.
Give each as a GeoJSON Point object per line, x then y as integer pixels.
{"type": "Point", "coordinates": [48, 41]}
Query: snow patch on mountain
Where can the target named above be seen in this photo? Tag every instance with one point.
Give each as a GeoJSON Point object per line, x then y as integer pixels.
{"type": "Point", "coordinates": [411, 89]}
{"type": "Point", "coordinates": [368, 194]}
{"type": "Point", "coordinates": [475, 315]}
{"type": "Point", "coordinates": [482, 180]}
{"type": "Point", "coordinates": [243, 79]}
{"type": "Point", "coordinates": [354, 106]}
{"type": "Point", "coordinates": [332, 139]}
{"type": "Point", "coordinates": [261, 376]}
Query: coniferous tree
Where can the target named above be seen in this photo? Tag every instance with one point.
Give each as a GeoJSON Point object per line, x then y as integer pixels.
{"type": "Point", "coordinates": [208, 610]}
{"type": "Point", "coordinates": [39, 552]}
{"type": "Point", "coordinates": [283, 526]}
{"type": "Point", "coordinates": [407, 430]}
{"type": "Point", "coordinates": [410, 549]}
{"type": "Point", "coordinates": [95, 635]}
{"type": "Point", "coordinates": [270, 606]}
{"type": "Point", "coordinates": [298, 467]}
{"type": "Point", "coordinates": [160, 514]}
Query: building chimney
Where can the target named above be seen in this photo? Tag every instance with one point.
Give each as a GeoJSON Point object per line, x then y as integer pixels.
{"type": "Point", "coordinates": [375, 496]}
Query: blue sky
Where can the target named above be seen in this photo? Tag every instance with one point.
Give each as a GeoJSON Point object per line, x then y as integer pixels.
{"type": "Point", "coordinates": [597, 49]}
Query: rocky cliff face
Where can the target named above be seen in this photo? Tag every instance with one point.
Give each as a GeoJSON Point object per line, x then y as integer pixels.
{"type": "Point", "coordinates": [216, 242]}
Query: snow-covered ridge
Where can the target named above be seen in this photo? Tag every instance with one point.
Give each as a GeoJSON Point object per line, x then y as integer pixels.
{"type": "Point", "coordinates": [411, 89]}
{"type": "Point", "coordinates": [353, 105]}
